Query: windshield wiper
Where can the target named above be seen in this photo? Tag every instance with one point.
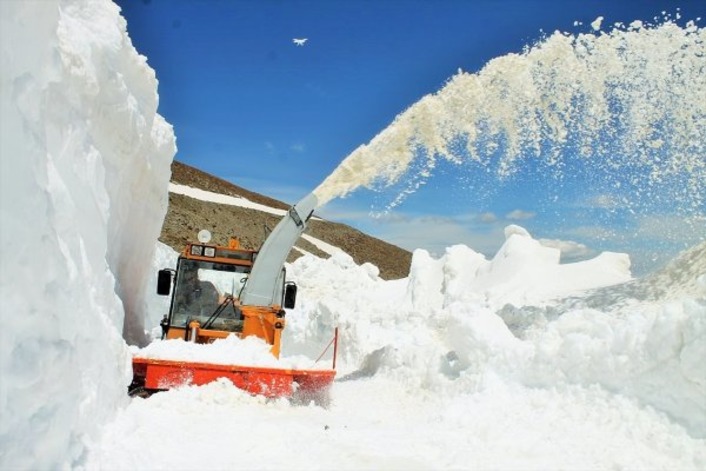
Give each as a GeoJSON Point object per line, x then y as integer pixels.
{"type": "Point", "coordinates": [219, 310]}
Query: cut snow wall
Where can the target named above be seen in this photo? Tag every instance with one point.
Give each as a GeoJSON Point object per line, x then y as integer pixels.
{"type": "Point", "coordinates": [84, 171]}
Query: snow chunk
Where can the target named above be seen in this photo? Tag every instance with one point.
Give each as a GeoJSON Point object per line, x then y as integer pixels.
{"type": "Point", "coordinates": [513, 229]}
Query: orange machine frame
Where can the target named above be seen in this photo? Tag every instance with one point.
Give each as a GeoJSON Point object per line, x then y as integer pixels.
{"type": "Point", "coordinates": [266, 322]}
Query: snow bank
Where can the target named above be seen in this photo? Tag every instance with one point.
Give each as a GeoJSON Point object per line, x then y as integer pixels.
{"type": "Point", "coordinates": [456, 320]}
{"type": "Point", "coordinates": [84, 170]}
{"type": "Point", "coordinates": [653, 352]}
{"type": "Point", "coordinates": [524, 272]}
{"type": "Point", "coordinates": [373, 313]}
{"type": "Point", "coordinates": [156, 307]}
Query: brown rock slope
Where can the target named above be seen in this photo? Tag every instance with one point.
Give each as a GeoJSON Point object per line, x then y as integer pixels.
{"type": "Point", "coordinates": [186, 216]}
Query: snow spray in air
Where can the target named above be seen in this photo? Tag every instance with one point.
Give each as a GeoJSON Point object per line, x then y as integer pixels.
{"type": "Point", "coordinates": [627, 107]}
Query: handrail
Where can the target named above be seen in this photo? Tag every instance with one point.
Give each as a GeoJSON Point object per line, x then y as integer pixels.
{"type": "Point", "coordinates": [333, 341]}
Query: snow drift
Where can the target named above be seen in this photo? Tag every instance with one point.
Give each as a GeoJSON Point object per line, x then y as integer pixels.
{"type": "Point", "coordinates": [84, 171]}
{"type": "Point", "coordinates": [462, 317]}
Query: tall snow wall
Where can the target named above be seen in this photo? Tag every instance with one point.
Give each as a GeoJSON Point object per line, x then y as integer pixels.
{"type": "Point", "coordinates": [84, 172]}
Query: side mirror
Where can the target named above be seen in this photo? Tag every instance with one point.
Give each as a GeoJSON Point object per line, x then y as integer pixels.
{"type": "Point", "coordinates": [164, 282]}
{"type": "Point", "coordinates": [290, 295]}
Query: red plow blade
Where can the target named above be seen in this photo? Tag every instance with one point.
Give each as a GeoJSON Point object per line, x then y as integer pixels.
{"type": "Point", "coordinates": [155, 375]}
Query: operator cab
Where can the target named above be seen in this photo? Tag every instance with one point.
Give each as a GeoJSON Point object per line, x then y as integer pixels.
{"type": "Point", "coordinates": [207, 284]}
{"type": "Point", "coordinates": [204, 288]}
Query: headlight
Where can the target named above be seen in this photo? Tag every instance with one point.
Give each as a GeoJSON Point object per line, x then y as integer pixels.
{"type": "Point", "coordinates": [196, 250]}
{"type": "Point", "coordinates": [209, 251]}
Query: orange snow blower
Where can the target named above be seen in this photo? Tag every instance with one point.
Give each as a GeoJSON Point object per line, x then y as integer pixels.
{"type": "Point", "coordinates": [220, 291]}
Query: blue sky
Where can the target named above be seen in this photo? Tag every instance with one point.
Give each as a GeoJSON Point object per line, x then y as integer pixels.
{"type": "Point", "coordinates": [250, 106]}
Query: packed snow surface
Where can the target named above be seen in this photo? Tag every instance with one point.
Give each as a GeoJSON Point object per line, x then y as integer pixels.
{"type": "Point", "coordinates": [250, 351]}
{"type": "Point", "coordinates": [513, 362]}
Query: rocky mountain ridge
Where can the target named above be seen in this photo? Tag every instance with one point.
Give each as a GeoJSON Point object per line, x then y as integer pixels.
{"type": "Point", "coordinates": [186, 216]}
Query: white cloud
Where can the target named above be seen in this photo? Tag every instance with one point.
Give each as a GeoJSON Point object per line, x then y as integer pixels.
{"type": "Point", "coordinates": [675, 229]}
{"type": "Point", "coordinates": [298, 148]}
{"type": "Point", "coordinates": [332, 212]}
{"type": "Point", "coordinates": [652, 229]}
{"type": "Point", "coordinates": [487, 217]}
{"type": "Point", "coordinates": [520, 215]}
{"type": "Point", "coordinates": [603, 202]}
{"type": "Point", "coordinates": [430, 232]}
{"type": "Point", "coordinates": [435, 234]}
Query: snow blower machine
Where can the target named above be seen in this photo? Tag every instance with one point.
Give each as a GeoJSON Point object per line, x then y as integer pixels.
{"type": "Point", "coordinates": [217, 291]}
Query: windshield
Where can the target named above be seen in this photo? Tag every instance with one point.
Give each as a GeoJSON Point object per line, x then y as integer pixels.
{"type": "Point", "coordinates": [201, 287]}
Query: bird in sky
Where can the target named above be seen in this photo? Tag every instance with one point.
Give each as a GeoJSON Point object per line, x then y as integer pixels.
{"type": "Point", "coordinates": [299, 42]}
